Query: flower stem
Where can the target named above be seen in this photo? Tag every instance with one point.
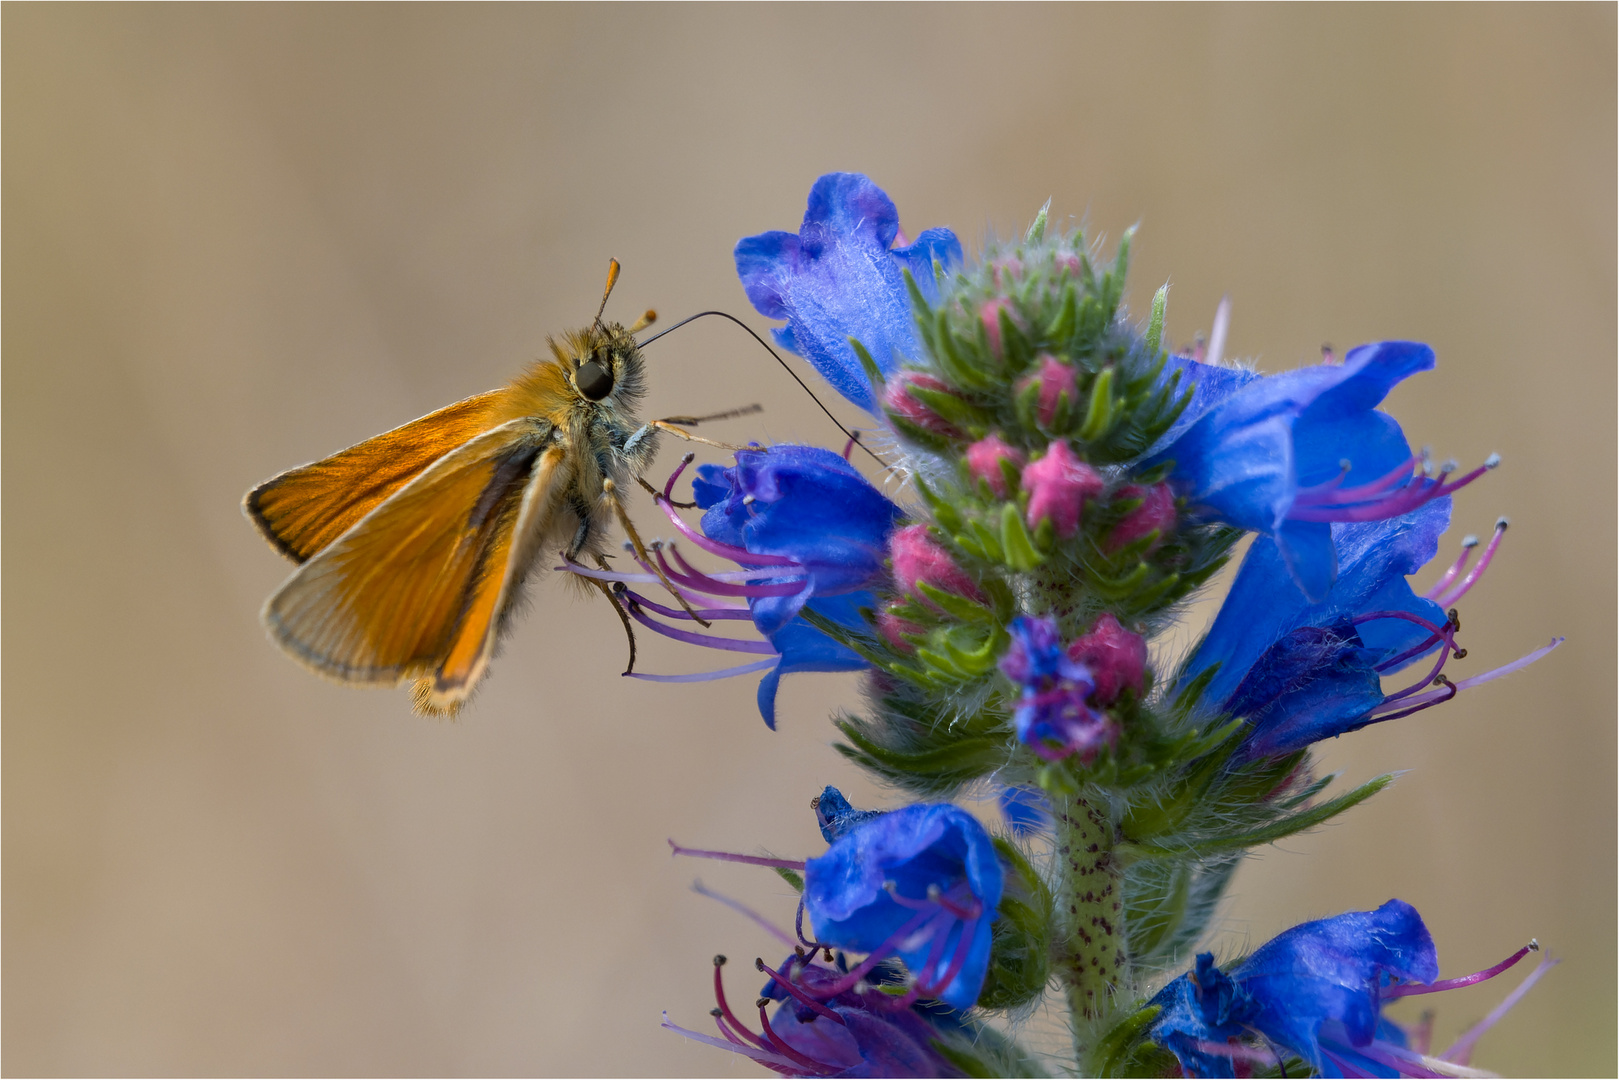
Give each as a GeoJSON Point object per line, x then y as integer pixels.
{"type": "Point", "coordinates": [1091, 961]}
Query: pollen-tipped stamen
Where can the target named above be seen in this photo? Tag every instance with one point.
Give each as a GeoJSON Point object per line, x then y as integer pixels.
{"type": "Point", "coordinates": [692, 637]}
{"type": "Point", "coordinates": [1477, 572]}
{"type": "Point", "coordinates": [719, 614]}
{"type": "Point", "coordinates": [781, 1046]}
{"type": "Point", "coordinates": [1407, 989]}
{"type": "Point", "coordinates": [1452, 689]}
{"type": "Point", "coordinates": [798, 993]}
{"type": "Point", "coordinates": [699, 582]}
{"type": "Point", "coordinates": [1469, 542]}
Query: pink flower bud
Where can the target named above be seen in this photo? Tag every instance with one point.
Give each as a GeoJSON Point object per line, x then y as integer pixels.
{"type": "Point", "coordinates": [1054, 377]}
{"type": "Point", "coordinates": [1116, 658]}
{"type": "Point", "coordinates": [891, 626]}
{"type": "Point", "coordinates": [1070, 260]}
{"type": "Point", "coordinates": [984, 459]}
{"type": "Point", "coordinates": [1057, 485]}
{"type": "Point", "coordinates": [917, 557]}
{"type": "Point", "coordinates": [898, 400]}
{"type": "Point", "coordinates": [1156, 512]}
{"type": "Point", "coordinates": [991, 314]}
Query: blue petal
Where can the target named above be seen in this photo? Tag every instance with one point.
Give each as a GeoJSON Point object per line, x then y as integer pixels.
{"type": "Point", "coordinates": [1315, 683]}
{"type": "Point", "coordinates": [804, 648]}
{"type": "Point", "coordinates": [838, 278]}
{"type": "Point", "coordinates": [1026, 809]}
{"type": "Point", "coordinates": [1374, 559]}
{"type": "Point", "coordinates": [1248, 444]}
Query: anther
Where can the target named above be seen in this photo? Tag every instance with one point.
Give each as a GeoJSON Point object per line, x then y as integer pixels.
{"type": "Point", "coordinates": [1459, 654]}
{"type": "Point", "coordinates": [933, 892]}
{"type": "Point", "coordinates": [719, 959]}
{"type": "Point", "coordinates": [798, 951]}
{"type": "Point", "coordinates": [1492, 461]}
{"type": "Point", "coordinates": [688, 458]}
{"type": "Point", "coordinates": [1501, 524]}
{"type": "Point", "coordinates": [1450, 465]}
{"type": "Point", "coordinates": [762, 1003]}
{"type": "Point", "coordinates": [758, 963]}
{"type": "Point", "coordinates": [815, 803]}
{"type": "Point", "coordinates": [1443, 680]}
{"type": "Point", "coordinates": [748, 500]}
{"type": "Point", "coordinates": [716, 1011]}
{"type": "Point", "coordinates": [1534, 945]}
{"type": "Point", "coordinates": [1455, 620]}
{"type": "Point", "coordinates": [1470, 541]}
{"type": "Point", "coordinates": [828, 954]}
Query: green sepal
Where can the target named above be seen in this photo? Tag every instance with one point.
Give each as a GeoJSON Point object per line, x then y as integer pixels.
{"type": "Point", "coordinates": [874, 374]}
{"type": "Point", "coordinates": [1037, 228]}
{"type": "Point", "coordinates": [1120, 588]}
{"type": "Point", "coordinates": [1016, 351]}
{"type": "Point", "coordinates": [961, 607]}
{"type": "Point", "coordinates": [1020, 949]}
{"type": "Point", "coordinates": [954, 364]}
{"type": "Point", "coordinates": [1099, 415]}
{"type": "Point", "coordinates": [988, 540]}
{"type": "Point", "coordinates": [1155, 327]}
{"type": "Point", "coordinates": [921, 436]}
{"type": "Point", "coordinates": [791, 877]}
{"type": "Point", "coordinates": [1109, 1055]}
{"type": "Point", "coordinates": [951, 407]}
{"type": "Point", "coordinates": [1016, 544]}
{"type": "Point", "coordinates": [1062, 327]}
{"type": "Point", "coordinates": [971, 655]}
{"type": "Point", "coordinates": [919, 303]}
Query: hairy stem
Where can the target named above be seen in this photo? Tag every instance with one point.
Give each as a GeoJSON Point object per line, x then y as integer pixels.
{"type": "Point", "coordinates": [1090, 959]}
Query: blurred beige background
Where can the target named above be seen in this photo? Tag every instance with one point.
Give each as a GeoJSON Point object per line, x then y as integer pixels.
{"type": "Point", "coordinates": [238, 238]}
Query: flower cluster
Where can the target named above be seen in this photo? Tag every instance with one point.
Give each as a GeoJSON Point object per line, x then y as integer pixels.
{"type": "Point", "coordinates": [1067, 481]}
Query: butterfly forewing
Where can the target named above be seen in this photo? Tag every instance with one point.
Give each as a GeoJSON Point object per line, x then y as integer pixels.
{"type": "Point", "coordinates": [416, 588]}
{"type": "Point", "coordinates": [304, 509]}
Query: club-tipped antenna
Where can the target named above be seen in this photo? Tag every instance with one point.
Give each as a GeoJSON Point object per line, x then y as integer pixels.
{"type": "Point", "coordinates": [612, 279]}
{"type": "Point", "coordinates": [779, 359]}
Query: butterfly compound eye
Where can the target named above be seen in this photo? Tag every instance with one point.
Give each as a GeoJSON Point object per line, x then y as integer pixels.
{"type": "Point", "coordinates": [594, 380]}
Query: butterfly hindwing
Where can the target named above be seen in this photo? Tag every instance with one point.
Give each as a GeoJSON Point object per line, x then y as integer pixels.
{"type": "Point", "coordinates": [416, 587]}
{"type": "Point", "coordinates": [304, 509]}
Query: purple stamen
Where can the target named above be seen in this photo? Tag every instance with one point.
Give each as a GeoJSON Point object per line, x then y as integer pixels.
{"type": "Point", "coordinates": [714, 547]}
{"type": "Point", "coordinates": [711, 614]}
{"type": "Point", "coordinates": [1471, 579]}
{"type": "Point", "coordinates": [1404, 1062]}
{"type": "Point", "coordinates": [725, 1006]}
{"type": "Point", "coordinates": [742, 909]}
{"type": "Point", "coordinates": [1461, 1051]}
{"type": "Point", "coordinates": [1318, 495]}
{"type": "Point", "coordinates": [1438, 698]}
{"type": "Point", "coordinates": [1469, 542]}
{"type": "Point", "coordinates": [730, 856]}
{"type": "Point", "coordinates": [697, 581]}
{"type": "Point", "coordinates": [797, 992]}
{"type": "Point", "coordinates": [650, 578]}
{"type": "Point", "coordinates": [1407, 989]}
{"type": "Point", "coordinates": [1506, 669]}
{"type": "Point", "coordinates": [780, 1045]}
{"type": "Point", "coordinates": [707, 641]}
{"type": "Point", "coordinates": [768, 1059]}
{"type": "Point", "coordinates": [877, 956]}
{"type": "Point", "coordinates": [957, 961]}
{"type": "Point", "coordinates": [1444, 633]}
{"type": "Point", "coordinates": [798, 927]}
{"type": "Point", "coordinates": [669, 488]}
{"type": "Point", "coordinates": [1388, 496]}
{"type": "Point", "coordinates": [707, 676]}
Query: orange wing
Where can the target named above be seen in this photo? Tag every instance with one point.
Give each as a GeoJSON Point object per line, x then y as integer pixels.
{"type": "Point", "coordinates": [417, 588]}
{"type": "Point", "coordinates": [304, 509]}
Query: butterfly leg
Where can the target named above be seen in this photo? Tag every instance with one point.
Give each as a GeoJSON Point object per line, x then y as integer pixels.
{"type": "Point", "coordinates": [611, 592]}
{"type": "Point", "coordinates": [610, 493]}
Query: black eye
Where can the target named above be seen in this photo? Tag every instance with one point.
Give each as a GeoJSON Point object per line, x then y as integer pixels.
{"type": "Point", "coordinates": [594, 380]}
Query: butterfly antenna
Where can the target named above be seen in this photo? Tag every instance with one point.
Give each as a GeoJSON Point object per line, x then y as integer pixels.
{"type": "Point", "coordinates": [853, 437]}
{"type": "Point", "coordinates": [612, 279]}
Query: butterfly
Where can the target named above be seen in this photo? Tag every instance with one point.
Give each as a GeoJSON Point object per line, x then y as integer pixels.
{"type": "Point", "coordinates": [412, 546]}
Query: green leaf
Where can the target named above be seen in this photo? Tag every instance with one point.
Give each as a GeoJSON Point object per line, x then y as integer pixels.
{"type": "Point", "coordinates": [1273, 831]}
{"type": "Point", "coordinates": [959, 759]}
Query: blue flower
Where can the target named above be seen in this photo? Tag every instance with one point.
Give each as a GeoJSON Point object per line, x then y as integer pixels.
{"type": "Point", "coordinates": [920, 883]}
{"type": "Point", "coordinates": [1026, 809]}
{"type": "Point", "coordinates": [1316, 991]}
{"type": "Point", "coordinates": [1286, 455]}
{"type": "Point", "coordinates": [839, 277]}
{"type": "Point", "coordinates": [802, 503]}
{"type": "Point", "coordinates": [1052, 716]}
{"type": "Point", "coordinates": [1300, 672]}
{"type": "Point", "coordinates": [808, 530]}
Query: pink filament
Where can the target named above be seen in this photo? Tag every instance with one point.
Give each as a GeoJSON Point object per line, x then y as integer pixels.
{"type": "Point", "coordinates": [707, 641]}
{"type": "Point", "coordinates": [1477, 572]}
{"type": "Point", "coordinates": [719, 613]}
{"type": "Point", "coordinates": [706, 676]}
{"type": "Point", "coordinates": [724, 551]}
{"type": "Point", "coordinates": [742, 909]}
{"type": "Point", "coordinates": [1407, 989]}
{"type": "Point", "coordinates": [1506, 669]}
{"type": "Point", "coordinates": [729, 856]}
{"type": "Point", "coordinates": [1461, 1051]}
{"type": "Point", "coordinates": [1449, 575]}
